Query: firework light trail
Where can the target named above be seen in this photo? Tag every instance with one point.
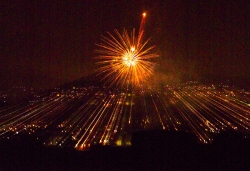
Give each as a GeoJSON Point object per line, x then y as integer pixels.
{"type": "Point", "coordinates": [125, 59]}
{"type": "Point", "coordinates": [143, 20]}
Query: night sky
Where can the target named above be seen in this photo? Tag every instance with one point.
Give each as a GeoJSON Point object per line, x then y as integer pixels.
{"type": "Point", "coordinates": [48, 43]}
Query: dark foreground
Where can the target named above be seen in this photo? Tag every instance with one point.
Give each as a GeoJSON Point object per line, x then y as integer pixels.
{"type": "Point", "coordinates": [153, 150]}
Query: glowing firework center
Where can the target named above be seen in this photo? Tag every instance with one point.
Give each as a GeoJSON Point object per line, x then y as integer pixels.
{"type": "Point", "coordinates": [129, 58]}
{"type": "Point", "coordinates": [125, 59]}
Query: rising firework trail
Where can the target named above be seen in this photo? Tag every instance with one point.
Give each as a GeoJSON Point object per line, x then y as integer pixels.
{"type": "Point", "coordinates": [125, 58]}
{"type": "Point", "coordinates": [143, 20]}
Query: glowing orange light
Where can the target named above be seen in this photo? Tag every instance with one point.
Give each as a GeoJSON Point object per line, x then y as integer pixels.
{"type": "Point", "coordinates": [124, 58]}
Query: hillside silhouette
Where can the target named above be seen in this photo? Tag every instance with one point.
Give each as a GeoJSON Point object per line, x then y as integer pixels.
{"type": "Point", "coordinates": [150, 150]}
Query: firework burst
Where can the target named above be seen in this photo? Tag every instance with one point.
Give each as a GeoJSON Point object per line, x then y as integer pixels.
{"type": "Point", "coordinates": [125, 59]}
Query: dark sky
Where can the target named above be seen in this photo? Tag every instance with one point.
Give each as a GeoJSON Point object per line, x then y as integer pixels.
{"type": "Point", "coordinates": [47, 43]}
